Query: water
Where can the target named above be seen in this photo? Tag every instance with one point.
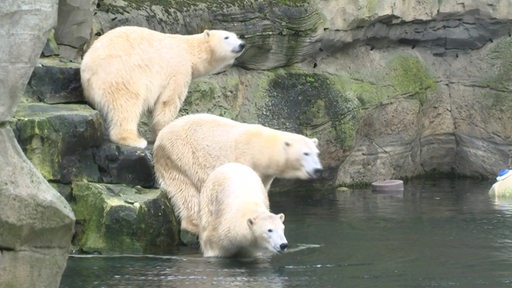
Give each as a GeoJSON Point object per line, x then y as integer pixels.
{"type": "Point", "coordinates": [437, 233]}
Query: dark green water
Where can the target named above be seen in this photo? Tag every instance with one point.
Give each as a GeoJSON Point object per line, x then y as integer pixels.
{"type": "Point", "coordinates": [437, 233]}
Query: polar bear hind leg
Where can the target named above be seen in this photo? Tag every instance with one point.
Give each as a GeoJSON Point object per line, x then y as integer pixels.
{"type": "Point", "coordinates": [123, 124]}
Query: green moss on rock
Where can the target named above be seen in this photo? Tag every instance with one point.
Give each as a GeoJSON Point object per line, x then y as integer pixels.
{"type": "Point", "coordinates": [122, 219]}
{"type": "Point", "coordinates": [409, 76]}
{"type": "Point", "coordinates": [304, 102]}
{"type": "Point", "coordinates": [499, 96]}
{"type": "Point", "coordinates": [57, 139]}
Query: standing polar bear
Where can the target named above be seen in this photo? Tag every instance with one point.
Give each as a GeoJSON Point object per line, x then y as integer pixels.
{"type": "Point", "coordinates": [132, 69]}
{"type": "Point", "coordinates": [189, 148]}
{"type": "Point", "coordinates": [235, 219]}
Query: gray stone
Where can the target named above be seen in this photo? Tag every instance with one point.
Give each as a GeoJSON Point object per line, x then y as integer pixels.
{"type": "Point", "coordinates": [54, 81]}
{"type": "Point", "coordinates": [36, 222]}
{"type": "Point", "coordinates": [59, 139]}
{"type": "Point", "coordinates": [24, 28]}
{"type": "Point", "coordinates": [126, 165]}
{"type": "Point", "coordinates": [74, 25]}
{"type": "Point", "coordinates": [122, 219]}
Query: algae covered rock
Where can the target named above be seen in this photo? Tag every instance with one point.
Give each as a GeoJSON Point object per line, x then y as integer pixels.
{"type": "Point", "coordinates": [58, 139]}
{"type": "Point", "coordinates": [122, 219]}
{"type": "Point", "coordinates": [125, 164]}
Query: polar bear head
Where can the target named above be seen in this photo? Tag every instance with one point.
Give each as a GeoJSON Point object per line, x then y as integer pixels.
{"type": "Point", "coordinates": [224, 44]}
{"type": "Point", "coordinates": [268, 231]}
{"type": "Point", "coordinates": [301, 157]}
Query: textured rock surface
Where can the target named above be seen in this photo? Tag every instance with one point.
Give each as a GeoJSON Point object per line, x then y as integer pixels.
{"type": "Point", "coordinates": [24, 27]}
{"type": "Point", "coordinates": [74, 26]}
{"type": "Point", "coordinates": [55, 82]}
{"type": "Point", "coordinates": [59, 139]}
{"type": "Point", "coordinates": [120, 219]}
{"type": "Point", "coordinates": [36, 223]}
{"type": "Point", "coordinates": [127, 165]}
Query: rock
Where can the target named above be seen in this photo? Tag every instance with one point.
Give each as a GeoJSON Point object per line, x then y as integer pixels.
{"type": "Point", "coordinates": [444, 27]}
{"type": "Point", "coordinates": [121, 219]}
{"type": "Point", "coordinates": [24, 28]}
{"type": "Point", "coordinates": [36, 222]}
{"type": "Point", "coordinates": [54, 81]}
{"type": "Point", "coordinates": [126, 165]}
{"type": "Point", "coordinates": [50, 48]}
{"type": "Point", "coordinates": [74, 26]}
{"type": "Point", "coordinates": [59, 139]}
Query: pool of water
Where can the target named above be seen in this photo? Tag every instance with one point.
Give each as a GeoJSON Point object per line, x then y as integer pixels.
{"type": "Point", "coordinates": [437, 233]}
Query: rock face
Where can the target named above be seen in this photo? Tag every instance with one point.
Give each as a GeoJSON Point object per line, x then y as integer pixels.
{"type": "Point", "coordinates": [36, 223]}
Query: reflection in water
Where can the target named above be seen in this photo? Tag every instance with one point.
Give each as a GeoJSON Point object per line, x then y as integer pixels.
{"type": "Point", "coordinates": [440, 233]}
{"type": "Point", "coordinates": [156, 271]}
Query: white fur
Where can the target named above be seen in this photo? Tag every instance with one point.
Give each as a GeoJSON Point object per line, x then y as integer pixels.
{"type": "Point", "coordinates": [235, 219]}
{"type": "Point", "coordinates": [188, 149]}
{"type": "Point", "coordinates": [132, 69]}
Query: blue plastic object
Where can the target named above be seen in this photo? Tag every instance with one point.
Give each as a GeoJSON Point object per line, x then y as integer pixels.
{"type": "Point", "coordinates": [503, 172]}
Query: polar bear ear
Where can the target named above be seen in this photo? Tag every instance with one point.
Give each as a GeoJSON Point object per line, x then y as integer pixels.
{"type": "Point", "coordinates": [206, 33]}
{"type": "Point", "coordinates": [281, 217]}
{"type": "Point", "coordinates": [251, 221]}
{"type": "Point", "coordinates": [315, 141]}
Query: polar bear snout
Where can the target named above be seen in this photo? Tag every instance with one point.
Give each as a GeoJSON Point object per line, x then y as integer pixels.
{"type": "Point", "coordinates": [317, 173]}
{"type": "Point", "coordinates": [283, 247]}
{"type": "Point", "coordinates": [240, 48]}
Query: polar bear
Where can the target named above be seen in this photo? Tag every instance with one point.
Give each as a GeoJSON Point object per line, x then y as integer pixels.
{"type": "Point", "coordinates": [189, 148]}
{"type": "Point", "coordinates": [130, 69]}
{"type": "Point", "coordinates": [234, 217]}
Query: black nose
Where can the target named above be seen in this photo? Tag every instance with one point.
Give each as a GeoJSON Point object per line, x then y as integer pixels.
{"type": "Point", "coordinates": [283, 246]}
{"type": "Point", "coordinates": [317, 172]}
{"type": "Point", "coordinates": [241, 46]}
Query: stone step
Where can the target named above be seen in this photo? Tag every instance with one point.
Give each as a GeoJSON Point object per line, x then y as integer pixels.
{"type": "Point", "coordinates": [60, 139]}
{"type": "Point", "coordinates": [121, 219]}
{"type": "Point", "coordinates": [54, 81]}
{"type": "Point", "coordinates": [66, 143]}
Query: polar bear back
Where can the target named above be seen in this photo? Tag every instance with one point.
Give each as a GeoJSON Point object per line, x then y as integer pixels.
{"type": "Point", "coordinates": [207, 141]}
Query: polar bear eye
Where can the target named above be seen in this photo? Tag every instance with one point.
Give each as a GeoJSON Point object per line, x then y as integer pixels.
{"type": "Point", "coordinates": [306, 153]}
{"type": "Point", "coordinates": [226, 38]}
{"type": "Point", "coordinates": [270, 230]}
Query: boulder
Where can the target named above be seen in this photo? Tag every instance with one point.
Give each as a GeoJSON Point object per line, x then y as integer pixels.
{"type": "Point", "coordinates": [126, 165]}
{"type": "Point", "coordinates": [74, 26]}
{"type": "Point", "coordinates": [36, 222]}
{"type": "Point", "coordinates": [121, 219]}
{"type": "Point", "coordinates": [59, 139]}
{"type": "Point", "coordinates": [55, 81]}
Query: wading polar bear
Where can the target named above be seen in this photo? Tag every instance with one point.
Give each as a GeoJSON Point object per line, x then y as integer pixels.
{"type": "Point", "coordinates": [234, 218]}
{"type": "Point", "coordinates": [132, 69]}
